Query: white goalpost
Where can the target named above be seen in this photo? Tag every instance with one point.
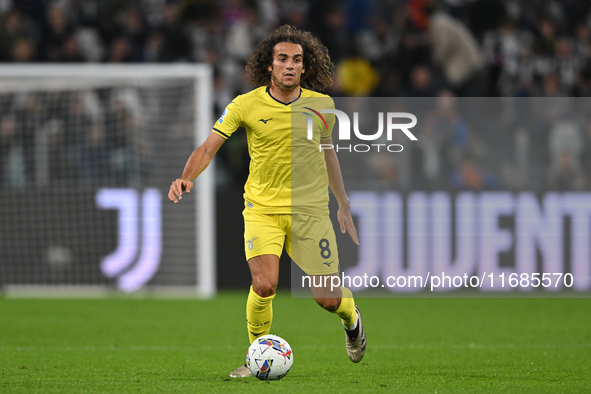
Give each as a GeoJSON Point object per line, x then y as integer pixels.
{"type": "Point", "coordinates": [87, 155]}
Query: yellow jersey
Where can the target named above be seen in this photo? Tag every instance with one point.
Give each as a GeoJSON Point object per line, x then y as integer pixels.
{"type": "Point", "coordinates": [287, 169]}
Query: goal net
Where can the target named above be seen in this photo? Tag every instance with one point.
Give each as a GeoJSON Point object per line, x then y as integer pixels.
{"type": "Point", "coordinates": [87, 155]}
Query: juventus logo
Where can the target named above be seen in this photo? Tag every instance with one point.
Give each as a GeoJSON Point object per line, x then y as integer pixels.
{"type": "Point", "coordinates": [131, 265]}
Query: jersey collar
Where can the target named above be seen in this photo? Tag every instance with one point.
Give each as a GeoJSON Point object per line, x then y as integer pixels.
{"type": "Point", "coordinates": [281, 102]}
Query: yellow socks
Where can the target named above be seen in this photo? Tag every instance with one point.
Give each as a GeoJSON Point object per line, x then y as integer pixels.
{"type": "Point", "coordinates": [259, 314]}
{"type": "Point", "coordinates": [346, 311]}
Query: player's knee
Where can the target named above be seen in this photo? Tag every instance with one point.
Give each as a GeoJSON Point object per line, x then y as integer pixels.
{"type": "Point", "coordinates": [330, 304]}
{"type": "Point", "coordinates": [264, 289]}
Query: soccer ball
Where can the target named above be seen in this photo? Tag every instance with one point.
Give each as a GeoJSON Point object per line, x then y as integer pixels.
{"type": "Point", "coordinates": [269, 357]}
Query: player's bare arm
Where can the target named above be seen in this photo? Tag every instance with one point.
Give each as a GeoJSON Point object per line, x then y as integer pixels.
{"type": "Point", "coordinates": [335, 181]}
{"type": "Point", "coordinates": [196, 164]}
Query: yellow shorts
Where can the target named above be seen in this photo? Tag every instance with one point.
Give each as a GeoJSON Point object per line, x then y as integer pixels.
{"type": "Point", "coordinates": [309, 240]}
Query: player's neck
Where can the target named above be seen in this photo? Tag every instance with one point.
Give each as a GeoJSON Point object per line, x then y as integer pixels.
{"type": "Point", "coordinates": [283, 94]}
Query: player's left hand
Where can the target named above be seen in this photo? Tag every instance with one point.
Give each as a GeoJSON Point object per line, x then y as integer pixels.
{"type": "Point", "coordinates": [346, 222]}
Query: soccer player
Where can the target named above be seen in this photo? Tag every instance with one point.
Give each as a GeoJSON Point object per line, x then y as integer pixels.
{"type": "Point", "coordinates": [286, 66]}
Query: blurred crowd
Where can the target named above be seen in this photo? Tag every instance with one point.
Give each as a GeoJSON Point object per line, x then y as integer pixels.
{"type": "Point", "coordinates": [381, 48]}
{"type": "Point", "coordinates": [96, 137]}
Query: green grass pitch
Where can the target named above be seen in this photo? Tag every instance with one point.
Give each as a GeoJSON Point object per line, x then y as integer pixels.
{"type": "Point", "coordinates": [126, 345]}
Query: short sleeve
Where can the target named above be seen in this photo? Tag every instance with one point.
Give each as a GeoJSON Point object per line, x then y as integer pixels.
{"type": "Point", "coordinates": [330, 121]}
{"type": "Point", "coordinates": [230, 120]}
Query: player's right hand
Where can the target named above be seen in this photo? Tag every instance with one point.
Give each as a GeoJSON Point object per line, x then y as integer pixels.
{"type": "Point", "coordinates": [177, 188]}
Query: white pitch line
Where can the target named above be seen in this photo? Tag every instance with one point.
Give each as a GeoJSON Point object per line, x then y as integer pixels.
{"type": "Point", "coordinates": [307, 347]}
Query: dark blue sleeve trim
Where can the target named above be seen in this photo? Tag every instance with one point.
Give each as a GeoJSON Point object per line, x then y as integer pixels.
{"type": "Point", "coordinates": [227, 136]}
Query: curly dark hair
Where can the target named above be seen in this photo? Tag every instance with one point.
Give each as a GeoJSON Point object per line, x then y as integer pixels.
{"type": "Point", "coordinates": [319, 68]}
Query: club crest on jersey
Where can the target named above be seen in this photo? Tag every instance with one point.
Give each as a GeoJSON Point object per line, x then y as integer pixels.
{"type": "Point", "coordinates": [223, 115]}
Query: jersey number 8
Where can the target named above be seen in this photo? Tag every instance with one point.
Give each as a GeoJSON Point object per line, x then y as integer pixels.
{"type": "Point", "coordinates": [324, 248]}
